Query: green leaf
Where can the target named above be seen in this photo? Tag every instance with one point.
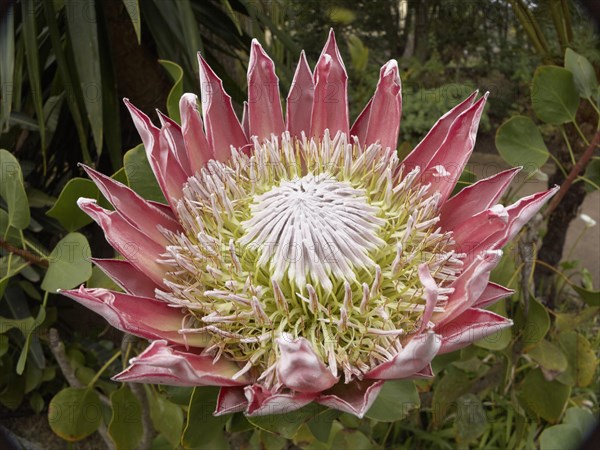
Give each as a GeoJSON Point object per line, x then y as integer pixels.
{"type": "Point", "coordinates": [591, 298]}
{"type": "Point", "coordinates": [547, 399]}
{"type": "Point", "coordinates": [287, 425]}
{"type": "Point", "coordinates": [583, 72]}
{"type": "Point", "coordinates": [202, 427]}
{"type": "Point", "coordinates": [167, 418]}
{"type": "Point", "coordinates": [69, 263]}
{"type": "Point", "coordinates": [66, 211]}
{"type": "Point", "coordinates": [64, 68]}
{"type": "Point", "coordinates": [449, 387]}
{"type": "Point", "coordinates": [580, 418]}
{"type": "Point", "coordinates": [133, 9]}
{"type": "Point", "coordinates": [353, 439]}
{"type": "Point", "coordinates": [83, 30]}
{"type": "Point", "coordinates": [7, 68]}
{"type": "Point", "coordinates": [592, 174]}
{"type": "Point", "coordinates": [560, 437]}
{"type": "Point", "coordinates": [75, 413]}
{"type": "Point", "coordinates": [13, 191]}
{"type": "Point", "coordinates": [33, 68]}
{"type": "Point", "coordinates": [582, 359]}
{"type": "Point", "coordinates": [471, 420]}
{"type": "Point", "coordinates": [140, 176]}
{"type": "Point", "coordinates": [553, 95]}
{"type": "Point", "coordinates": [396, 399]}
{"type": "Point", "coordinates": [549, 356]}
{"type": "Point", "coordinates": [535, 324]}
{"type": "Point", "coordinates": [520, 143]}
{"type": "Point", "coordinates": [176, 74]}
{"type": "Point", "coordinates": [125, 427]}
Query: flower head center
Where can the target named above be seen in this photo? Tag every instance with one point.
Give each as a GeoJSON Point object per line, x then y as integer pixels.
{"type": "Point", "coordinates": [313, 229]}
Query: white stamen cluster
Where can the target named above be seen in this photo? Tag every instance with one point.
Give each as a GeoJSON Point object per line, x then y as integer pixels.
{"type": "Point", "coordinates": [320, 240]}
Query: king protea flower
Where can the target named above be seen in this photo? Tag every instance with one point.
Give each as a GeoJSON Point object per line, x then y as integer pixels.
{"type": "Point", "coordinates": [299, 260]}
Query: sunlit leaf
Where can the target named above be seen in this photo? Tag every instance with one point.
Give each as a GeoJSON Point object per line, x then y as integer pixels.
{"type": "Point", "coordinates": [176, 74]}
{"type": "Point", "coordinates": [139, 175]}
{"type": "Point", "coordinates": [553, 95]}
{"type": "Point", "coordinates": [394, 402]}
{"type": "Point", "coordinates": [583, 72]}
{"type": "Point", "coordinates": [520, 143]}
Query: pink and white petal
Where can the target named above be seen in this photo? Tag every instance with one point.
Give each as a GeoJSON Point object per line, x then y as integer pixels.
{"type": "Point", "coordinates": [519, 214]}
{"type": "Point", "coordinates": [427, 148]}
{"type": "Point", "coordinates": [354, 398]}
{"type": "Point", "coordinates": [151, 139]}
{"type": "Point", "coordinates": [142, 252]}
{"type": "Point", "coordinates": [175, 141]}
{"type": "Point", "coordinates": [173, 174]}
{"type": "Point", "coordinates": [413, 358]}
{"type": "Point", "coordinates": [127, 276]}
{"type": "Point", "coordinates": [330, 104]}
{"type": "Point", "coordinates": [523, 211]}
{"type": "Point", "coordinates": [262, 402]}
{"type": "Point", "coordinates": [452, 156]}
{"type": "Point", "coordinates": [199, 151]}
{"type": "Point", "coordinates": [161, 363]}
{"type": "Point", "coordinates": [491, 294]}
{"type": "Point", "coordinates": [223, 128]}
{"type": "Point", "coordinates": [300, 100]}
{"type": "Point", "coordinates": [264, 105]}
{"type": "Point", "coordinates": [431, 294]}
{"type": "Point", "coordinates": [144, 317]}
{"type": "Point", "coordinates": [468, 287]}
{"type": "Point", "coordinates": [230, 400]}
{"type": "Point", "coordinates": [299, 368]}
{"type": "Point", "coordinates": [361, 124]}
{"type": "Point", "coordinates": [472, 325]}
{"type": "Point", "coordinates": [475, 229]}
{"type": "Point", "coordinates": [475, 198]}
{"type": "Point", "coordinates": [383, 111]}
{"type": "Point", "coordinates": [137, 211]}
{"type": "Point", "coordinates": [246, 121]}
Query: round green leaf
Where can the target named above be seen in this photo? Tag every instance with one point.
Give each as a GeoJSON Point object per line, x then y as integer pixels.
{"type": "Point", "coordinates": [125, 427]}
{"type": "Point", "coordinates": [547, 399]}
{"type": "Point", "coordinates": [535, 325]}
{"type": "Point", "coordinates": [549, 356]}
{"type": "Point", "coordinates": [69, 263]}
{"type": "Point", "coordinates": [395, 401]}
{"type": "Point", "coordinates": [582, 359]}
{"type": "Point", "coordinates": [553, 95]}
{"type": "Point", "coordinates": [66, 211]}
{"type": "Point", "coordinates": [583, 72]}
{"type": "Point", "coordinates": [560, 437]}
{"type": "Point", "coordinates": [520, 143]}
{"type": "Point", "coordinates": [140, 176]}
{"type": "Point", "coordinates": [75, 413]}
{"type": "Point", "coordinates": [580, 418]}
{"type": "Point", "coordinates": [167, 418]}
{"type": "Point", "coordinates": [13, 191]}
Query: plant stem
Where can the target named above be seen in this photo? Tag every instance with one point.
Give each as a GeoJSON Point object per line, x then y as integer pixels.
{"type": "Point", "coordinates": [26, 255]}
{"type": "Point", "coordinates": [581, 164]}
{"type": "Point", "coordinates": [102, 369]}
